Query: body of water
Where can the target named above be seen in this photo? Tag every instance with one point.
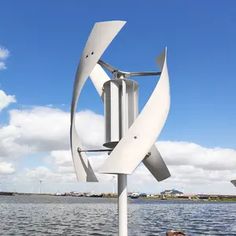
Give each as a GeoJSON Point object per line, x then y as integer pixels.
{"type": "Point", "coordinates": [57, 215]}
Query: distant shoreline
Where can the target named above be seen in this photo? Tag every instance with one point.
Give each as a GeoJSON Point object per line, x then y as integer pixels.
{"type": "Point", "coordinates": [197, 197]}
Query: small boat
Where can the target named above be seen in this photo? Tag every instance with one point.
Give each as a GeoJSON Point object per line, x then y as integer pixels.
{"type": "Point", "coordinates": [94, 195]}
{"type": "Point", "coordinates": [134, 195]}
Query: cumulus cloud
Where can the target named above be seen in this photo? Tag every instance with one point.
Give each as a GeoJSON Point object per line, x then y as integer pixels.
{"type": "Point", "coordinates": [194, 168]}
{"type": "Point", "coordinates": [5, 99]}
{"type": "Point", "coordinates": [61, 157]}
{"type": "Point", "coordinates": [45, 130]}
{"type": "Point", "coordinates": [4, 54]}
{"type": "Point", "coordinates": [186, 153]}
{"type": "Point", "coordinates": [187, 174]}
{"type": "Point", "coordinates": [41, 128]}
{"type": "Point", "coordinates": [61, 161]}
{"type": "Point", "coordinates": [6, 168]}
{"type": "Point", "coordinates": [41, 173]}
{"type": "Point", "coordinates": [9, 147]}
{"type": "Point", "coordinates": [2, 65]}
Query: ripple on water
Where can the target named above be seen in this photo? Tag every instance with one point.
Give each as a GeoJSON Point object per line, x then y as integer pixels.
{"type": "Point", "coordinates": [48, 215]}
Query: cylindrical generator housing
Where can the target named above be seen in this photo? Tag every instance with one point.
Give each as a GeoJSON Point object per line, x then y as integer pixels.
{"type": "Point", "coordinates": [120, 107]}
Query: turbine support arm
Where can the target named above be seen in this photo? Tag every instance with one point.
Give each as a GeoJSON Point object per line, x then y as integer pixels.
{"type": "Point", "coordinates": [93, 150]}
{"type": "Point", "coordinates": [119, 74]}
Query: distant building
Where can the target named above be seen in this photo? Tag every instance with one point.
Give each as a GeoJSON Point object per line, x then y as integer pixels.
{"type": "Point", "coordinates": [171, 193]}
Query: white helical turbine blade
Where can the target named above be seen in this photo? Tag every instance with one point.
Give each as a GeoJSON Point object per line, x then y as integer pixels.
{"type": "Point", "coordinates": [154, 161]}
{"type": "Point", "coordinates": [99, 39]}
{"type": "Point", "coordinates": [99, 77]}
{"type": "Point", "coordinates": [142, 134]}
{"type": "Point", "coordinates": [156, 165]}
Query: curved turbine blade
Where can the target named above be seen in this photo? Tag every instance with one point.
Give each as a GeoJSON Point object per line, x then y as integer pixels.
{"type": "Point", "coordinates": [140, 137]}
{"type": "Point", "coordinates": [156, 165]}
{"type": "Point", "coordinates": [233, 182]}
{"type": "Point", "coordinates": [83, 169]}
{"type": "Point", "coordinates": [99, 77]}
{"type": "Point", "coordinates": [99, 39]}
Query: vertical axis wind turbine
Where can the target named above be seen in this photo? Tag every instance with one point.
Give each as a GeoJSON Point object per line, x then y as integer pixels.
{"type": "Point", "coordinates": [130, 137]}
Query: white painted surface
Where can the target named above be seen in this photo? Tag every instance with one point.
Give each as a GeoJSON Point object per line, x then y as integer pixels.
{"type": "Point", "coordinates": [140, 137]}
{"type": "Point", "coordinates": [156, 165]}
{"type": "Point", "coordinates": [99, 77]}
{"type": "Point", "coordinates": [153, 162]}
{"type": "Point", "coordinates": [99, 39]}
{"type": "Point", "coordinates": [114, 113]}
{"type": "Point", "coordinates": [122, 205]}
{"type": "Point", "coordinates": [122, 178]}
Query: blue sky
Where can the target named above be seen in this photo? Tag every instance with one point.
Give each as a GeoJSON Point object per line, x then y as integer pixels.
{"type": "Point", "coordinates": [46, 38]}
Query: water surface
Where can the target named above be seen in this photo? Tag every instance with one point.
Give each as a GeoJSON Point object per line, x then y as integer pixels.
{"type": "Point", "coordinates": [57, 215]}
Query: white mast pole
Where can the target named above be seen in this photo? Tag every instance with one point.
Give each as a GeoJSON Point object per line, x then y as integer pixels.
{"type": "Point", "coordinates": [120, 100]}
{"type": "Point", "coordinates": [122, 204]}
{"type": "Point", "coordinates": [122, 178]}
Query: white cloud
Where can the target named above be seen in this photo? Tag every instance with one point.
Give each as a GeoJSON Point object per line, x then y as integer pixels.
{"type": "Point", "coordinates": [206, 174]}
{"type": "Point", "coordinates": [6, 168]}
{"type": "Point", "coordinates": [61, 161]}
{"type": "Point", "coordinates": [45, 130]}
{"type": "Point", "coordinates": [41, 173]}
{"type": "Point", "coordinates": [42, 128]}
{"type": "Point", "coordinates": [91, 129]}
{"type": "Point", "coordinates": [2, 65]}
{"type": "Point", "coordinates": [185, 153]}
{"type": "Point", "coordinates": [9, 148]}
{"type": "Point", "coordinates": [4, 54]}
{"type": "Point", "coordinates": [61, 157]}
{"type": "Point", "coordinates": [194, 169]}
{"type": "Point", "coordinates": [5, 99]}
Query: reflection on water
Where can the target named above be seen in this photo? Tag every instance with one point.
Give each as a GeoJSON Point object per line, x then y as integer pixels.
{"type": "Point", "coordinates": [51, 215]}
